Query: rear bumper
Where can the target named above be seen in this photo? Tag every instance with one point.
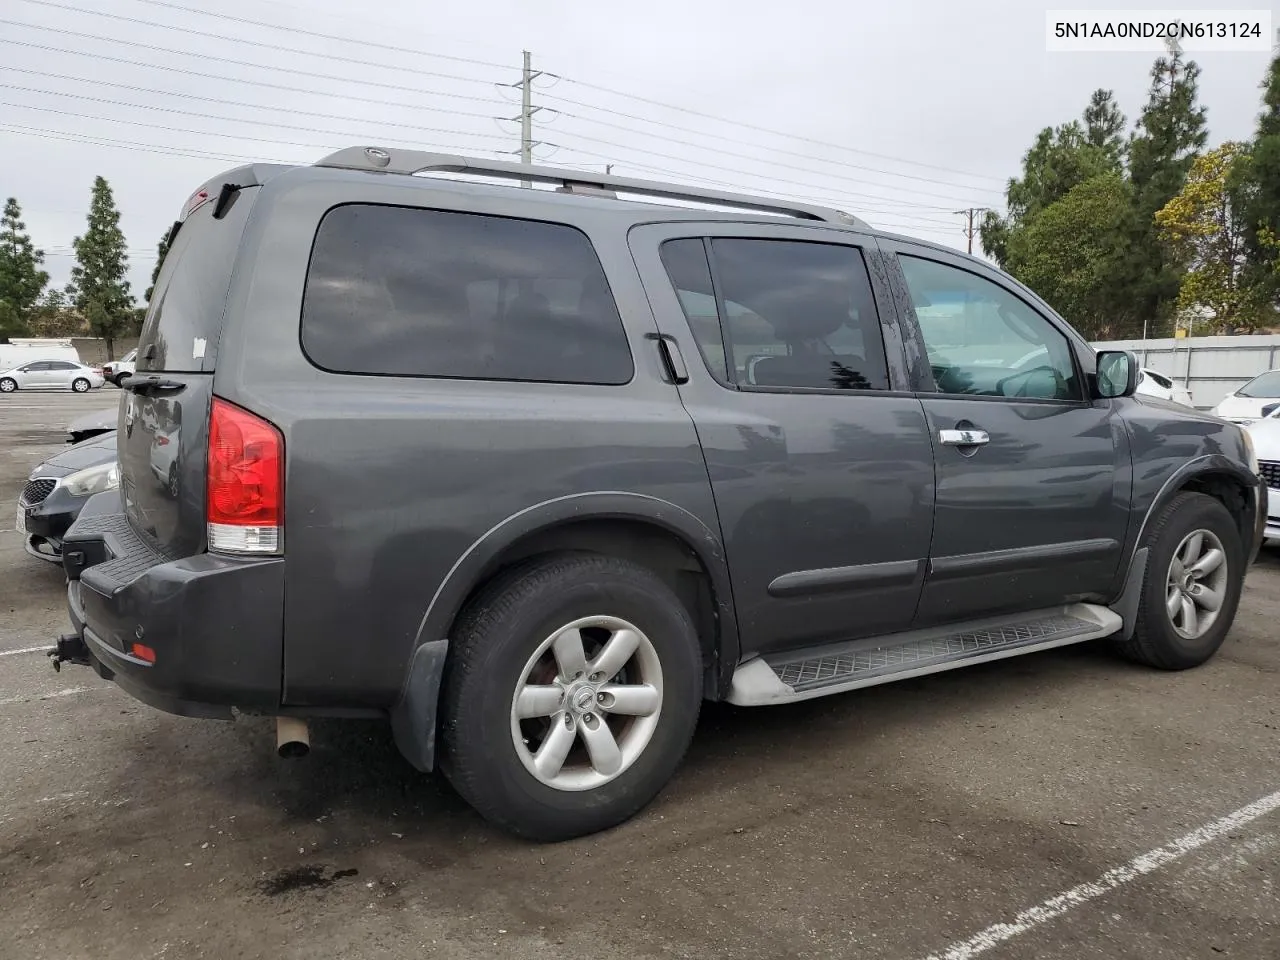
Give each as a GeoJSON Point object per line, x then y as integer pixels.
{"type": "Point", "coordinates": [215, 624]}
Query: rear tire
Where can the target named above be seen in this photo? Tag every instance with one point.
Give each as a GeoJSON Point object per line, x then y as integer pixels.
{"type": "Point", "coordinates": [8, 385]}
{"type": "Point", "coordinates": [1195, 572]}
{"type": "Point", "coordinates": [518, 638]}
{"type": "Point", "coordinates": [80, 385]}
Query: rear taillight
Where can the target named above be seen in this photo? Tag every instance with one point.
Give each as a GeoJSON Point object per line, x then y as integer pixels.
{"type": "Point", "coordinates": [244, 500]}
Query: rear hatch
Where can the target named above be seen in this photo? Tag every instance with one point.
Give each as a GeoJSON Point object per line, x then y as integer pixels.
{"type": "Point", "coordinates": [164, 417]}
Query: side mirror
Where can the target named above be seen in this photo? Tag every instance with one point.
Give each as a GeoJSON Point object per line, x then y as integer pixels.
{"type": "Point", "coordinates": [1117, 374]}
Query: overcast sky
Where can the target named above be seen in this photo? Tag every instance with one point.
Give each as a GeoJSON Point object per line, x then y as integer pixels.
{"type": "Point", "coordinates": [901, 112]}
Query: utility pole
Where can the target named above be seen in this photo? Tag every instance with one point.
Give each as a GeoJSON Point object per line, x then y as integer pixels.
{"type": "Point", "coordinates": [527, 110]}
{"type": "Point", "coordinates": [970, 229]}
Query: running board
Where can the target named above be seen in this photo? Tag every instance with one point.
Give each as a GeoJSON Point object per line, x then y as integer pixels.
{"type": "Point", "coordinates": [819, 671]}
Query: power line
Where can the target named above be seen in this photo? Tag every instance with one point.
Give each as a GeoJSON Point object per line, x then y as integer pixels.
{"type": "Point", "coordinates": [749, 143]}
{"type": "Point", "coordinates": [228, 60]}
{"type": "Point", "coordinates": [398, 87]}
{"type": "Point", "coordinates": [752, 126]}
{"type": "Point", "coordinates": [226, 38]}
{"type": "Point", "coordinates": [366, 63]}
{"type": "Point", "coordinates": [737, 170]}
{"type": "Point", "coordinates": [261, 123]}
{"type": "Point", "coordinates": [418, 53]}
{"type": "Point", "coordinates": [230, 103]}
{"type": "Point", "coordinates": [322, 36]}
{"type": "Point", "coordinates": [158, 149]}
{"type": "Point", "coordinates": [347, 137]}
{"type": "Point", "coordinates": [779, 163]}
{"type": "Point", "coordinates": [760, 160]}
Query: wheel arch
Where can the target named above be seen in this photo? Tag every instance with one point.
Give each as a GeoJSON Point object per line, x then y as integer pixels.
{"type": "Point", "coordinates": [1219, 477]}
{"type": "Point", "coordinates": [654, 533]}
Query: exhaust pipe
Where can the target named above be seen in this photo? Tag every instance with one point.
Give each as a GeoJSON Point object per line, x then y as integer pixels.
{"type": "Point", "coordinates": [293, 739]}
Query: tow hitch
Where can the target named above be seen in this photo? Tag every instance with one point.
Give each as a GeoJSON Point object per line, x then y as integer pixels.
{"type": "Point", "coordinates": [69, 648]}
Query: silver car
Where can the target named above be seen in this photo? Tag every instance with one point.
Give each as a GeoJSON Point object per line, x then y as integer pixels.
{"type": "Point", "coordinates": [50, 375]}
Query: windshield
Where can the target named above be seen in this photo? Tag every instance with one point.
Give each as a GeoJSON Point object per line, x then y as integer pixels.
{"type": "Point", "coordinates": [1263, 385]}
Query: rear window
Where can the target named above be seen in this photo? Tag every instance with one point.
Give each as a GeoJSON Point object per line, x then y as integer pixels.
{"type": "Point", "coordinates": [184, 317]}
{"type": "Point", "coordinates": [427, 293]}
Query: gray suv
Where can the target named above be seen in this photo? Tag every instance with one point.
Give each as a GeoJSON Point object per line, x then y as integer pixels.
{"type": "Point", "coordinates": [532, 473]}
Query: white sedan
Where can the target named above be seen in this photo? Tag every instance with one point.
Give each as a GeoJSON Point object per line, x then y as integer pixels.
{"type": "Point", "coordinates": [1154, 384]}
{"type": "Point", "coordinates": [50, 375]}
{"type": "Point", "coordinates": [1251, 402]}
{"type": "Point", "coordinates": [1265, 434]}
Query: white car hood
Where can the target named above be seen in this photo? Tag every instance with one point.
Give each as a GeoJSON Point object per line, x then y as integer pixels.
{"type": "Point", "coordinates": [1240, 409]}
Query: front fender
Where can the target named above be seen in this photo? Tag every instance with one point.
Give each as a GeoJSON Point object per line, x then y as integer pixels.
{"type": "Point", "coordinates": [1203, 466]}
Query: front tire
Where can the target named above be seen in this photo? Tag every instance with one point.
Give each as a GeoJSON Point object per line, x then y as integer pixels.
{"type": "Point", "coordinates": [570, 697]}
{"type": "Point", "coordinates": [80, 385]}
{"type": "Point", "coordinates": [1195, 573]}
{"type": "Point", "coordinates": [8, 385]}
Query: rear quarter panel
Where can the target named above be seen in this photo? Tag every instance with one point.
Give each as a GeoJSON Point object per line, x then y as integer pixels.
{"type": "Point", "coordinates": [391, 480]}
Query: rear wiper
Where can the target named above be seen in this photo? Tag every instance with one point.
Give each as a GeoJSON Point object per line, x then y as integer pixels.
{"type": "Point", "coordinates": [147, 384]}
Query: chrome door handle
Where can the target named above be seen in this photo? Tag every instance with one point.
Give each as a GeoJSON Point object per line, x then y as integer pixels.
{"type": "Point", "coordinates": [963, 438]}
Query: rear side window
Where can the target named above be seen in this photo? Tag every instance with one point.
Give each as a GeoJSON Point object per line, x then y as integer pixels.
{"type": "Point", "coordinates": [184, 316]}
{"type": "Point", "coordinates": [428, 293]}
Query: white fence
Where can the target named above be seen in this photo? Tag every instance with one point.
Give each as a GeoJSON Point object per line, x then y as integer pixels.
{"type": "Point", "coordinates": [1209, 367]}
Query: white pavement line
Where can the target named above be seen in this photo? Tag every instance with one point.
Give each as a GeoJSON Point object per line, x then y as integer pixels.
{"type": "Point", "coordinates": [998, 933]}
{"type": "Point", "coordinates": [70, 691]}
{"type": "Point", "coordinates": [10, 653]}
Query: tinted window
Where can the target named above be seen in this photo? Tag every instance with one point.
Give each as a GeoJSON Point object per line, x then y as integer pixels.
{"type": "Point", "coordinates": [396, 290]}
{"type": "Point", "coordinates": [36, 367]}
{"type": "Point", "coordinates": [184, 316]}
{"type": "Point", "coordinates": [62, 365]}
{"type": "Point", "coordinates": [983, 340]}
{"type": "Point", "coordinates": [690, 274]}
{"type": "Point", "coordinates": [792, 313]}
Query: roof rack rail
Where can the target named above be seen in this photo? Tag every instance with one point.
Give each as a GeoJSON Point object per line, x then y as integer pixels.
{"type": "Point", "coordinates": [408, 162]}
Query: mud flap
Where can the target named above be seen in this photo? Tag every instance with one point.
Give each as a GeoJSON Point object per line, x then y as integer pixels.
{"type": "Point", "coordinates": [1127, 603]}
{"type": "Point", "coordinates": [414, 719]}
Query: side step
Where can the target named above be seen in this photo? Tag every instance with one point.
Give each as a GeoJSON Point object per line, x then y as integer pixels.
{"type": "Point", "coordinates": [819, 671]}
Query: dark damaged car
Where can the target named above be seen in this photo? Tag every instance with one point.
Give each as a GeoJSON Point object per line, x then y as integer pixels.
{"type": "Point", "coordinates": [58, 488]}
{"type": "Point", "coordinates": [533, 473]}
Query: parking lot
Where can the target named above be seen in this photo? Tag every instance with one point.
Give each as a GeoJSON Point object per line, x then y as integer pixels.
{"type": "Point", "coordinates": [1056, 806]}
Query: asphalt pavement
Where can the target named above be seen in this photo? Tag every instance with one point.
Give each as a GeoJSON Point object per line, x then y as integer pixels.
{"type": "Point", "coordinates": [1056, 806]}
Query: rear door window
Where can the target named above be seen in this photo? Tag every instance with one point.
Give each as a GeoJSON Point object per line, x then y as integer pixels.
{"type": "Point", "coordinates": [403, 291]}
{"type": "Point", "coordinates": [780, 313]}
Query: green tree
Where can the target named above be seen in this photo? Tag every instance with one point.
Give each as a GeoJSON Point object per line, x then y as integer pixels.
{"type": "Point", "coordinates": [162, 248]}
{"type": "Point", "coordinates": [1060, 160]}
{"type": "Point", "coordinates": [1105, 125]}
{"type": "Point", "coordinates": [1255, 188]}
{"type": "Point", "coordinates": [53, 316]}
{"type": "Point", "coordinates": [1070, 254]}
{"type": "Point", "coordinates": [98, 278]}
{"type": "Point", "coordinates": [1170, 135]}
{"type": "Point", "coordinates": [21, 279]}
{"type": "Point", "coordinates": [1207, 231]}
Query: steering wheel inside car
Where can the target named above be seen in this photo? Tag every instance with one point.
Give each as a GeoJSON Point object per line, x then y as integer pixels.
{"type": "Point", "coordinates": [1059, 384]}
